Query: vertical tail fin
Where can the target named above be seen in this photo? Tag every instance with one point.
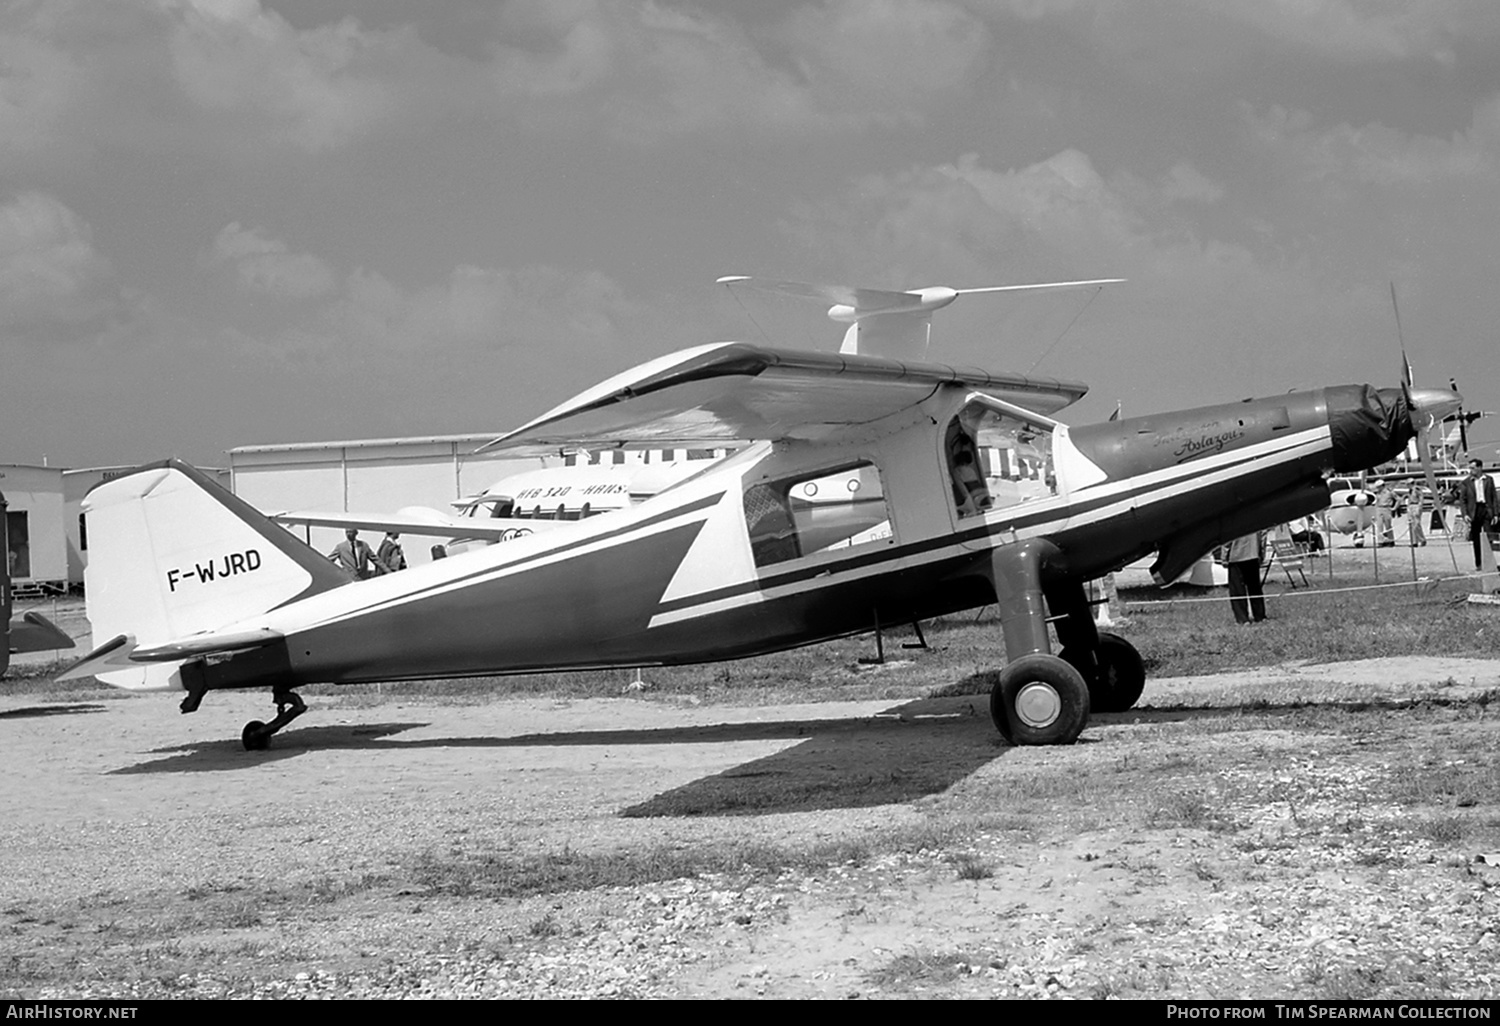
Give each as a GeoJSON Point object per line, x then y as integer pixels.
{"type": "Point", "coordinates": [173, 554]}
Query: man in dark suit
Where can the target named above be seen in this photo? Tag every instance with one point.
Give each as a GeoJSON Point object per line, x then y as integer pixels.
{"type": "Point", "coordinates": [356, 556]}
{"type": "Point", "coordinates": [1477, 496]}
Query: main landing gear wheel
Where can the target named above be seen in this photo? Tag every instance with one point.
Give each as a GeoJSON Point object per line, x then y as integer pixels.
{"type": "Point", "coordinates": [1040, 700]}
{"type": "Point", "coordinates": [1122, 675]}
{"type": "Point", "coordinates": [257, 735]}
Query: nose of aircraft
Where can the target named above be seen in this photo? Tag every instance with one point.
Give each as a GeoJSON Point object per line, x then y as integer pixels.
{"type": "Point", "coordinates": [1435, 403]}
{"type": "Point", "coordinates": [1370, 425]}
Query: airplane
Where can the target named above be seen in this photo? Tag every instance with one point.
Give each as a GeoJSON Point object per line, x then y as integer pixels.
{"type": "Point", "coordinates": [526, 502]}
{"type": "Point", "coordinates": [35, 633]}
{"type": "Point", "coordinates": [194, 591]}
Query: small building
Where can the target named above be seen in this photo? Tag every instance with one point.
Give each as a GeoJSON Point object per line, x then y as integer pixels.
{"type": "Point", "coordinates": [36, 544]}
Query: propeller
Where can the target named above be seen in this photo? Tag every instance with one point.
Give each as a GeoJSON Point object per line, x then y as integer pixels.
{"type": "Point", "coordinates": [1424, 406]}
{"type": "Point", "coordinates": [1463, 421]}
{"type": "Point", "coordinates": [1463, 418]}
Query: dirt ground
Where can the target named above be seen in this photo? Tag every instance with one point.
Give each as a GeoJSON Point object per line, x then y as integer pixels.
{"type": "Point", "coordinates": [1180, 850]}
{"type": "Point", "coordinates": [1239, 835]}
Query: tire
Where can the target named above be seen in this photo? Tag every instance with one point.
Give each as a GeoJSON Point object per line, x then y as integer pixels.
{"type": "Point", "coordinates": [1040, 700]}
{"type": "Point", "coordinates": [1121, 677]}
{"type": "Point", "coordinates": [252, 738]}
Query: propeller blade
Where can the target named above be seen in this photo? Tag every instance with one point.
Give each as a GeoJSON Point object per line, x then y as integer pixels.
{"type": "Point", "coordinates": [1428, 406]}
{"type": "Point", "coordinates": [1463, 425]}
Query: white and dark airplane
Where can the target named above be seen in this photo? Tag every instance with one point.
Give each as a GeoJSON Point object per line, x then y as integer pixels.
{"type": "Point", "coordinates": [194, 591]}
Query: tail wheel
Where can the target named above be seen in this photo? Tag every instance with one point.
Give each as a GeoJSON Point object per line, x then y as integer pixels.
{"type": "Point", "coordinates": [1121, 677]}
{"type": "Point", "coordinates": [254, 737]}
{"type": "Point", "coordinates": [1040, 700]}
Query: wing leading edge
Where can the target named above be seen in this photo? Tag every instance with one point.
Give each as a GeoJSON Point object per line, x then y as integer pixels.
{"type": "Point", "coordinates": [730, 392]}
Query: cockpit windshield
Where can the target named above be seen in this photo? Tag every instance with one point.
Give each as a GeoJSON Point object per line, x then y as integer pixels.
{"type": "Point", "coordinates": [996, 460]}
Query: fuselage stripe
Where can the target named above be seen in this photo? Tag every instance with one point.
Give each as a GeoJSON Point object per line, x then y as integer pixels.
{"type": "Point", "coordinates": [1169, 484]}
{"type": "Point", "coordinates": [521, 564]}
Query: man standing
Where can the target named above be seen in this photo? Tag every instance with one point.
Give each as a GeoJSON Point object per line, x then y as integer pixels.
{"type": "Point", "coordinates": [1414, 500]}
{"type": "Point", "coordinates": [1243, 556]}
{"type": "Point", "coordinates": [390, 555]}
{"type": "Point", "coordinates": [355, 556]}
{"type": "Point", "coordinates": [1477, 496]}
{"type": "Point", "coordinates": [1385, 511]}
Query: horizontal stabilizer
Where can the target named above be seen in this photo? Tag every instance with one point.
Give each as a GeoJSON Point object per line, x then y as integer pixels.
{"type": "Point", "coordinates": [122, 652]}
{"type": "Point", "coordinates": [219, 643]}
{"type": "Point", "coordinates": [114, 654]}
{"type": "Point", "coordinates": [36, 633]}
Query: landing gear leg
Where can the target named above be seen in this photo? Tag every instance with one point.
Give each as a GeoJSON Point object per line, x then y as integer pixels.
{"type": "Point", "coordinates": [1040, 698]}
{"type": "Point", "coordinates": [257, 735]}
{"type": "Point", "coordinates": [1112, 667]}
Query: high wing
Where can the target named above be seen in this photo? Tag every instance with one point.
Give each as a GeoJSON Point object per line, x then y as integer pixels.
{"type": "Point", "coordinates": [729, 392]}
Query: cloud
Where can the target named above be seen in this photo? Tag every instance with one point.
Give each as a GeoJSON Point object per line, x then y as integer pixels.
{"type": "Point", "coordinates": [640, 70]}
{"type": "Point", "coordinates": [898, 52]}
{"type": "Point", "coordinates": [1346, 30]}
{"type": "Point", "coordinates": [237, 77]}
{"type": "Point", "coordinates": [316, 89]}
{"type": "Point", "coordinates": [536, 308]}
{"type": "Point", "coordinates": [267, 265]}
{"type": "Point", "coordinates": [37, 84]}
{"type": "Point", "coordinates": [1186, 183]}
{"type": "Point", "coordinates": [970, 223]}
{"type": "Point", "coordinates": [54, 285]}
{"type": "Point", "coordinates": [645, 69]}
{"type": "Point", "coordinates": [468, 350]}
{"type": "Point", "coordinates": [1375, 154]}
{"type": "Point", "coordinates": [1368, 31]}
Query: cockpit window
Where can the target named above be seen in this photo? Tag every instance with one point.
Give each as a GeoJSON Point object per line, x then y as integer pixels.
{"type": "Point", "coordinates": [809, 513]}
{"type": "Point", "coordinates": [996, 460]}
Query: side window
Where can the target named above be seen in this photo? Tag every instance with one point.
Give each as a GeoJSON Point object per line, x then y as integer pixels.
{"type": "Point", "coordinates": [996, 460]}
{"type": "Point", "coordinates": [809, 513]}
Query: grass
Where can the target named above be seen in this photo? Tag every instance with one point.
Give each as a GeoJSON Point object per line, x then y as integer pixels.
{"type": "Point", "coordinates": [486, 874]}
{"type": "Point", "coordinates": [929, 968]}
{"type": "Point", "coordinates": [971, 867]}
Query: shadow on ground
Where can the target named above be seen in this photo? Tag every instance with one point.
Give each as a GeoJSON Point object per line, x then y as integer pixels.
{"type": "Point", "coordinates": [911, 751]}
{"type": "Point", "coordinates": [50, 710]}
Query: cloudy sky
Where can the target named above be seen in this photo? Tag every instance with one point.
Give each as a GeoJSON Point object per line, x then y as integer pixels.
{"type": "Point", "coordinates": [227, 222]}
